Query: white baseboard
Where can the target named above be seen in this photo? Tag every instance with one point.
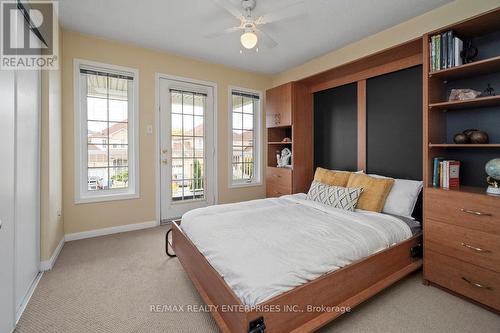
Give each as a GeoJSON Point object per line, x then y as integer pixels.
{"type": "Point", "coordinates": [109, 231]}
{"type": "Point", "coordinates": [47, 265]}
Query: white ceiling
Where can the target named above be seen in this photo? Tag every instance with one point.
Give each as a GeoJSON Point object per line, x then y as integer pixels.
{"type": "Point", "coordinates": [179, 26]}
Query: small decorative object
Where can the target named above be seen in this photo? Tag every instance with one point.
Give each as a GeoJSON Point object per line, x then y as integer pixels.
{"type": "Point", "coordinates": [479, 137]}
{"type": "Point", "coordinates": [469, 52]}
{"type": "Point", "coordinates": [461, 138]}
{"type": "Point", "coordinates": [284, 158]}
{"type": "Point", "coordinates": [463, 94]}
{"type": "Point", "coordinates": [492, 169]}
{"type": "Point", "coordinates": [489, 91]}
{"type": "Point", "coordinates": [286, 140]}
{"type": "Point", "coordinates": [469, 131]}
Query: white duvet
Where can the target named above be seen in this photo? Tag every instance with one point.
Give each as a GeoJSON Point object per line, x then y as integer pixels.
{"type": "Point", "coordinates": [265, 247]}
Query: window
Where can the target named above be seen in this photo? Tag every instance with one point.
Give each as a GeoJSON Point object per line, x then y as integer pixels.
{"type": "Point", "coordinates": [245, 137]}
{"type": "Point", "coordinates": [106, 132]}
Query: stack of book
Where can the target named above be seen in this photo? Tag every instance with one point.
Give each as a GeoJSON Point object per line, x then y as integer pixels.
{"type": "Point", "coordinates": [445, 50]}
{"type": "Point", "coordinates": [446, 173]}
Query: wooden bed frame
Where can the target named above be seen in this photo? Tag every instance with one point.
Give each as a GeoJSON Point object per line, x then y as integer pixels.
{"type": "Point", "coordinates": [301, 309]}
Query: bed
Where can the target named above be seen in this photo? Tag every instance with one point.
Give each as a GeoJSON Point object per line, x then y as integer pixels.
{"type": "Point", "coordinates": [290, 264]}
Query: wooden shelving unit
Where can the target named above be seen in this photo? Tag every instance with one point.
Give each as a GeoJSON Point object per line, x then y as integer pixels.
{"type": "Point", "coordinates": [289, 115]}
{"type": "Point", "coordinates": [467, 214]}
{"type": "Point", "coordinates": [280, 143]}
{"type": "Point", "coordinates": [454, 145]}
{"type": "Point", "coordinates": [461, 189]}
{"type": "Point", "coordinates": [439, 113]}
{"type": "Point", "coordinates": [472, 69]}
{"type": "Point", "coordinates": [471, 103]}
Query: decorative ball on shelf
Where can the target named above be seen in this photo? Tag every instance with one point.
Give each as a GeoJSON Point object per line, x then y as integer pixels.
{"type": "Point", "coordinates": [479, 137]}
{"type": "Point", "coordinates": [492, 169]}
{"type": "Point", "coordinates": [461, 138]}
{"type": "Point", "coordinates": [469, 131]}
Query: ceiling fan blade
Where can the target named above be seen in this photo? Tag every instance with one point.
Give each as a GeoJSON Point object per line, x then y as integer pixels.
{"type": "Point", "coordinates": [232, 9]}
{"type": "Point", "coordinates": [295, 10]}
{"type": "Point", "coordinates": [266, 39]}
{"type": "Point", "coordinates": [223, 32]}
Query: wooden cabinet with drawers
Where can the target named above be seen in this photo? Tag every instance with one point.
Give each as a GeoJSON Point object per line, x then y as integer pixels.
{"type": "Point", "coordinates": [462, 243]}
{"type": "Point", "coordinates": [279, 181]}
{"type": "Point", "coordinates": [289, 115]}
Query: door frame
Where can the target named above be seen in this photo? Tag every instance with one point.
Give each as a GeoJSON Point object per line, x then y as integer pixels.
{"type": "Point", "coordinates": [156, 129]}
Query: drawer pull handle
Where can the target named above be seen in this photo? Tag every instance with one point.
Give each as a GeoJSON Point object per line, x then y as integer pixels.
{"type": "Point", "coordinates": [477, 249]}
{"type": "Point", "coordinates": [278, 176]}
{"type": "Point", "coordinates": [477, 285]}
{"type": "Point", "coordinates": [473, 212]}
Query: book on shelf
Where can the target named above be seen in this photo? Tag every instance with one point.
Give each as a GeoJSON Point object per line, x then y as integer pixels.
{"type": "Point", "coordinates": [445, 51]}
{"type": "Point", "coordinates": [447, 172]}
{"type": "Point", "coordinates": [453, 174]}
{"type": "Point", "coordinates": [436, 174]}
{"type": "Point", "coordinates": [458, 46]}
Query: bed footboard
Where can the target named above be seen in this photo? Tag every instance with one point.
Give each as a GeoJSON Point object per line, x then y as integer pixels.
{"type": "Point", "coordinates": [305, 308]}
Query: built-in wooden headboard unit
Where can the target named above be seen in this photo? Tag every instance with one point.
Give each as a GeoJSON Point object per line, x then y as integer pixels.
{"type": "Point", "coordinates": [367, 116]}
{"type": "Point", "coordinates": [373, 123]}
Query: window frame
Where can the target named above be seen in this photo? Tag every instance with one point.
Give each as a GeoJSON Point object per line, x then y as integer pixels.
{"type": "Point", "coordinates": [257, 140]}
{"type": "Point", "coordinates": [82, 194]}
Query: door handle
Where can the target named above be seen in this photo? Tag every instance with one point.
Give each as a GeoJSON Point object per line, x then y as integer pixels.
{"type": "Point", "coordinates": [0, 224]}
{"type": "Point", "coordinates": [475, 284]}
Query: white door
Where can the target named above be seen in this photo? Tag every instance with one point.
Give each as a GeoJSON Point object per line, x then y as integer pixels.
{"type": "Point", "coordinates": [187, 147]}
{"type": "Point", "coordinates": [7, 111]}
{"type": "Point", "coordinates": [27, 207]}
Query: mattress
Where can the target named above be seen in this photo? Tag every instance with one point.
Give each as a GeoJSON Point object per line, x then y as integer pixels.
{"type": "Point", "coordinates": [265, 247]}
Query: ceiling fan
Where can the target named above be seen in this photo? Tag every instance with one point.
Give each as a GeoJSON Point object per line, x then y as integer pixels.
{"type": "Point", "coordinates": [251, 26]}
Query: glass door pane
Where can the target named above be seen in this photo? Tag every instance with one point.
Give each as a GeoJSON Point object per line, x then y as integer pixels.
{"type": "Point", "coordinates": [188, 145]}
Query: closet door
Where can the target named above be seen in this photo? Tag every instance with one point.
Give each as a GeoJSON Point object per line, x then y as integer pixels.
{"type": "Point", "coordinates": [7, 85]}
{"type": "Point", "coordinates": [27, 207]}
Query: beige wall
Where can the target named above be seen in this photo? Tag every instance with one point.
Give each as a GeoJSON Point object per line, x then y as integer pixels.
{"type": "Point", "coordinates": [413, 28]}
{"type": "Point", "coordinates": [51, 221]}
{"type": "Point", "coordinates": [83, 217]}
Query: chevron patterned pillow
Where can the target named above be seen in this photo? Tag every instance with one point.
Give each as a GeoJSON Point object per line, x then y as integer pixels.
{"type": "Point", "coordinates": [338, 197]}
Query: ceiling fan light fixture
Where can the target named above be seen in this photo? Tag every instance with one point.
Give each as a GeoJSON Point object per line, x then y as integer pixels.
{"type": "Point", "coordinates": [248, 40]}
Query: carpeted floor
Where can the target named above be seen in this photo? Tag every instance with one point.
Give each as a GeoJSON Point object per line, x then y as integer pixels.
{"type": "Point", "coordinates": [108, 284]}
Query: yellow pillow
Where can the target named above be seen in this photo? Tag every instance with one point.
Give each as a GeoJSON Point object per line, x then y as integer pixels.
{"type": "Point", "coordinates": [332, 178]}
{"type": "Point", "coordinates": [375, 191]}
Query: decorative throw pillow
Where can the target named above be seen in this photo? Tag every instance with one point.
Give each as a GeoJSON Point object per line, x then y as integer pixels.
{"type": "Point", "coordinates": [335, 196]}
{"type": "Point", "coordinates": [375, 191]}
{"type": "Point", "coordinates": [332, 178]}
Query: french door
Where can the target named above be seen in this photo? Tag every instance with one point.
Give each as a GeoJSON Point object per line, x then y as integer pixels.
{"type": "Point", "coordinates": [187, 147]}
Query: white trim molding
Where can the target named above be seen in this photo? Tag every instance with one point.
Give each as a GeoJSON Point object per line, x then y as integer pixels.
{"type": "Point", "coordinates": [109, 231]}
{"type": "Point", "coordinates": [82, 195]}
{"type": "Point", "coordinates": [258, 139]}
{"type": "Point", "coordinates": [47, 265]}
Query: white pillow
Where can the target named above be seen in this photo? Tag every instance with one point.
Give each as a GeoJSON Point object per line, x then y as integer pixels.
{"type": "Point", "coordinates": [403, 196]}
